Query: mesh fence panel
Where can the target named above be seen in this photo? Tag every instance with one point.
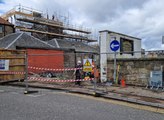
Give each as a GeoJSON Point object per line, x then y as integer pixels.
{"type": "Point", "coordinates": [58, 68]}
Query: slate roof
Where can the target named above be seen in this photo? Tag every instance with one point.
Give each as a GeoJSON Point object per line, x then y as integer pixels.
{"type": "Point", "coordinates": [70, 44]}
{"type": "Point", "coordinates": [53, 42]}
{"type": "Point", "coordinates": [8, 39]}
{"type": "Point", "coordinates": [14, 40]}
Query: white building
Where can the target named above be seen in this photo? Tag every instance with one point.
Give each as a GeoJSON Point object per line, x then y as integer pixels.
{"type": "Point", "coordinates": [130, 47]}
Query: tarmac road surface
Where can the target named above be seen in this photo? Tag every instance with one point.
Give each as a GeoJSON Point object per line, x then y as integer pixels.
{"type": "Point", "coordinates": [57, 105]}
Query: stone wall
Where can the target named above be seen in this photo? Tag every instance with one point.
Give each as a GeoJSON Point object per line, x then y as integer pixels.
{"type": "Point", "coordinates": [135, 71]}
{"type": "Point", "coordinates": [69, 59]}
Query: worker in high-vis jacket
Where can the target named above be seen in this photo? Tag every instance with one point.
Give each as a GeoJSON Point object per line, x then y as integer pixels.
{"type": "Point", "coordinates": [96, 73]}
{"type": "Point", "coordinates": [78, 73]}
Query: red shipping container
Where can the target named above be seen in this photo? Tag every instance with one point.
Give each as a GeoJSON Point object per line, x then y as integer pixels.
{"type": "Point", "coordinates": [45, 58]}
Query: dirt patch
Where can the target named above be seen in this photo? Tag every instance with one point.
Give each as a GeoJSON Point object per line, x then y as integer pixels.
{"type": "Point", "coordinates": [149, 100]}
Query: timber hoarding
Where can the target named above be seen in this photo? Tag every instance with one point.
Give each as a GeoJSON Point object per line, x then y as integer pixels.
{"type": "Point", "coordinates": [12, 65]}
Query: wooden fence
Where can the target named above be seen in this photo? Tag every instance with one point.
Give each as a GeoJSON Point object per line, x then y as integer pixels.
{"type": "Point", "coordinates": [12, 65]}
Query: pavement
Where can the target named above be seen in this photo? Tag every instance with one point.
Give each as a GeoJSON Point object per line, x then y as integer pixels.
{"type": "Point", "coordinates": [131, 94]}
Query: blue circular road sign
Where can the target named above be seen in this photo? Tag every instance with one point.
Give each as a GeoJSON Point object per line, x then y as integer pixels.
{"type": "Point", "coordinates": [114, 45]}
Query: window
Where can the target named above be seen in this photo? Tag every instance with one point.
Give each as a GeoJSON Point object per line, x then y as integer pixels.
{"type": "Point", "coordinates": [126, 46]}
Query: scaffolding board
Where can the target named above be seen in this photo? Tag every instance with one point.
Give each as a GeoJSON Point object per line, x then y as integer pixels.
{"type": "Point", "coordinates": [55, 34]}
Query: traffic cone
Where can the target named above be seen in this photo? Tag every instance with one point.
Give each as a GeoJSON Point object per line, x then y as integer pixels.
{"type": "Point", "coordinates": [123, 82]}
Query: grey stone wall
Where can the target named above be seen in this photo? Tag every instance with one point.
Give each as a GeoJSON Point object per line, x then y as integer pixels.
{"type": "Point", "coordinates": [69, 59]}
{"type": "Point", "coordinates": [69, 62]}
{"type": "Point", "coordinates": [135, 71]}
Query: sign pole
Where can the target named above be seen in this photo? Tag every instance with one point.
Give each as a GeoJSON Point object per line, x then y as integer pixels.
{"type": "Point", "coordinates": [114, 46]}
{"type": "Point", "coordinates": [95, 80]}
{"type": "Point", "coordinates": [115, 67]}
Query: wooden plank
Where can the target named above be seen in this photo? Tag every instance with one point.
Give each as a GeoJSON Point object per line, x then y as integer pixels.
{"type": "Point", "coordinates": [16, 64]}
{"type": "Point", "coordinates": [24, 14]}
{"type": "Point", "coordinates": [11, 57]}
{"type": "Point", "coordinates": [52, 25]}
{"type": "Point", "coordinates": [55, 34]}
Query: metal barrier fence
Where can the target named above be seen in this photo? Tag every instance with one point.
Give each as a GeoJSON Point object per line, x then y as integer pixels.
{"type": "Point", "coordinates": [132, 68]}
{"type": "Point", "coordinates": [58, 69]}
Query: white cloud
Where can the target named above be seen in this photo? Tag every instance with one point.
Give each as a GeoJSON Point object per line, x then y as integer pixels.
{"type": "Point", "coordinates": [143, 19]}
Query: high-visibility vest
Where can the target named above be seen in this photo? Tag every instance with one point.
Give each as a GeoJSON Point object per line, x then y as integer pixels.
{"type": "Point", "coordinates": [96, 73]}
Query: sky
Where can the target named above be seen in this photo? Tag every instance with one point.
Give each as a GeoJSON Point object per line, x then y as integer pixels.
{"type": "Point", "coordinates": [139, 18]}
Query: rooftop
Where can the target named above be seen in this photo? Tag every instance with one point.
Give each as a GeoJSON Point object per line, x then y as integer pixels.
{"type": "Point", "coordinates": [119, 34]}
{"type": "Point", "coordinates": [25, 40]}
{"type": "Point", "coordinates": [14, 40]}
{"type": "Point", "coordinates": [2, 21]}
{"type": "Point", "coordinates": [72, 44]}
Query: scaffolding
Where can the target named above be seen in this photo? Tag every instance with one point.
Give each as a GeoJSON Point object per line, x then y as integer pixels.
{"type": "Point", "coordinates": [33, 21]}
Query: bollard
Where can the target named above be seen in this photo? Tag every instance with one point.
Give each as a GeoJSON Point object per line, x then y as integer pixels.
{"type": "Point", "coordinates": [123, 83]}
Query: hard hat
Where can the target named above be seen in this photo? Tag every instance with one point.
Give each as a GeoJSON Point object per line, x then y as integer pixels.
{"type": "Point", "coordinates": [79, 62]}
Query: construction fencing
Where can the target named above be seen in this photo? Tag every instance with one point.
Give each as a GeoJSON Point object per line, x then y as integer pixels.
{"type": "Point", "coordinates": [134, 68]}
{"type": "Point", "coordinates": [57, 69]}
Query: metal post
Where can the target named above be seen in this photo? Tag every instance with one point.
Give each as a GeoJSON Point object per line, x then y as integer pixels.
{"type": "Point", "coordinates": [26, 74]}
{"type": "Point", "coordinates": [117, 73]}
{"type": "Point", "coordinates": [94, 80]}
{"type": "Point", "coordinates": [114, 67]}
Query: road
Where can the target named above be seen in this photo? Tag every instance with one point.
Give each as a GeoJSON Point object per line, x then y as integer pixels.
{"type": "Point", "coordinates": [57, 105]}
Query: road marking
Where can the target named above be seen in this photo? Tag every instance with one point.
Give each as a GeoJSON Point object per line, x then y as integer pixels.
{"type": "Point", "coordinates": [132, 105]}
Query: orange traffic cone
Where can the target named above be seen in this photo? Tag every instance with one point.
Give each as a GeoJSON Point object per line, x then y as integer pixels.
{"type": "Point", "coordinates": [123, 83]}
